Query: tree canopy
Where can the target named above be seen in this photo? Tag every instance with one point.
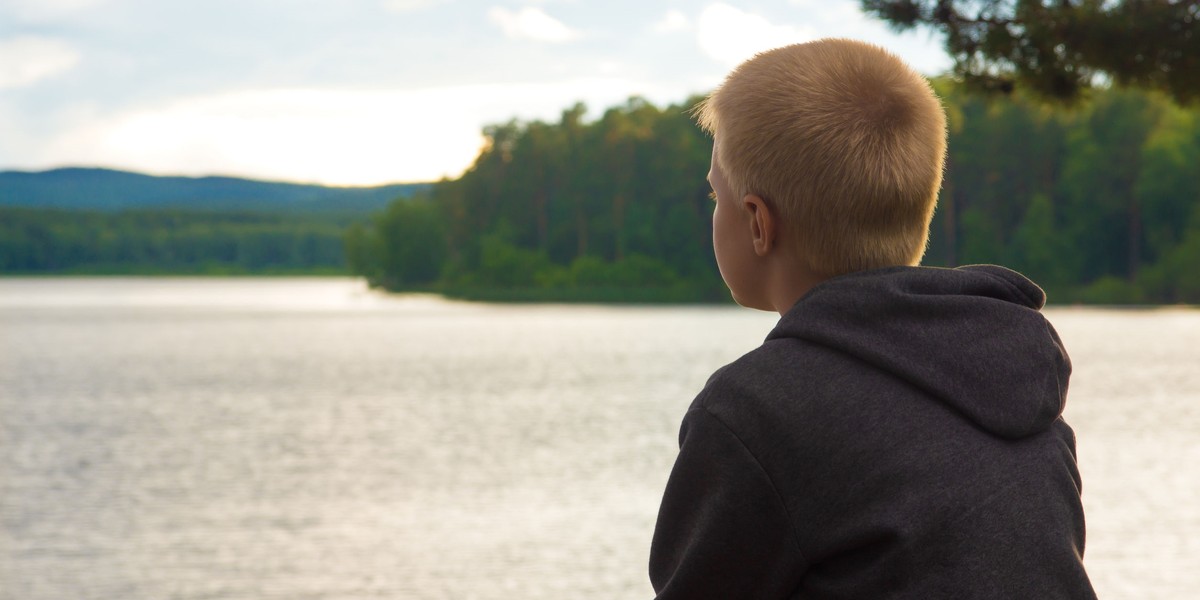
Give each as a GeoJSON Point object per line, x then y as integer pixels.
{"type": "Point", "coordinates": [154, 241]}
{"type": "Point", "coordinates": [1058, 48]}
{"type": "Point", "coordinates": [1099, 204]}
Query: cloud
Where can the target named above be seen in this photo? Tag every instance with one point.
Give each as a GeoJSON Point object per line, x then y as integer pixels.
{"type": "Point", "coordinates": [339, 137]}
{"type": "Point", "coordinates": [730, 35]}
{"type": "Point", "coordinates": [532, 23]}
{"type": "Point", "coordinates": [326, 136]}
{"type": "Point", "coordinates": [671, 22]}
{"type": "Point", "coordinates": [26, 60]}
{"type": "Point", "coordinates": [841, 11]}
{"type": "Point", "coordinates": [406, 6]}
{"type": "Point", "coordinates": [45, 10]}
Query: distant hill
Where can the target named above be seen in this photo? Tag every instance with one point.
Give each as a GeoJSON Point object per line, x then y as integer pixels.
{"type": "Point", "coordinates": [109, 190]}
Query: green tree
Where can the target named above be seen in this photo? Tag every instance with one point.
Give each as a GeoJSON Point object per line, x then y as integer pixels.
{"type": "Point", "coordinates": [1167, 186]}
{"type": "Point", "coordinates": [1098, 202]}
{"type": "Point", "coordinates": [1039, 248]}
{"type": "Point", "coordinates": [411, 246]}
{"type": "Point", "coordinates": [1097, 183]}
{"type": "Point", "coordinates": [1060, 47]}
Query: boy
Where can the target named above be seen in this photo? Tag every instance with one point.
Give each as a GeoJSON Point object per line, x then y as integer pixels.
{"type": "Point", "coordinates": [898, 434]}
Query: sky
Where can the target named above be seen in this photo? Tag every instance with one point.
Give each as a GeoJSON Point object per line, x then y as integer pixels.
{"type": "Point", "coordinates": [363, 92]}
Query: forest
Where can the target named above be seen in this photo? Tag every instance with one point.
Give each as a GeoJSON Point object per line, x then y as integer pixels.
{"type": "Point", "coordinates": [169, 241]}
{"type": "Point", "coordinates": [1098, 201]}
{"type": "Point", "coordinates": [102, 221]}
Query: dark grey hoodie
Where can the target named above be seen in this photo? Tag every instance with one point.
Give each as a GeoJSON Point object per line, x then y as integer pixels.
{"type": "Point", "coordinates": [897, 435]}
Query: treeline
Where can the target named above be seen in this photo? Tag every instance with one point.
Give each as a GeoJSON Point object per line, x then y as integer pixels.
{"type": "Point", "coordinates": [1099, 203]}
{"type": "Point", "coordinates": [613, 209]}
{"type": "Point", "coordinates": [168, 241]}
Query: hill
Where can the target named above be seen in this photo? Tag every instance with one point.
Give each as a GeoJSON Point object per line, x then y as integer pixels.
{"type": "Point", "coordinates": [109, 190]}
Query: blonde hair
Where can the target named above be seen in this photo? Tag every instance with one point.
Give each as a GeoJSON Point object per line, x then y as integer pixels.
{"type": "Point", "coordinates": [843, 140]}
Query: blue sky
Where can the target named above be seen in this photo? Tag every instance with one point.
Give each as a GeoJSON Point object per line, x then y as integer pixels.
{"type": "Point", "coordinates": [360, 92]}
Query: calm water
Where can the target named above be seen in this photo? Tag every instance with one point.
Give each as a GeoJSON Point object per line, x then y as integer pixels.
{"type": "Point", "coordinates": [306, 438]}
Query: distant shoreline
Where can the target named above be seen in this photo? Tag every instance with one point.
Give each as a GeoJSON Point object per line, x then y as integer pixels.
{"type": "Point", "coordinates": [607, 295]}
{"type": "Point", "coordinates": [201, 273]}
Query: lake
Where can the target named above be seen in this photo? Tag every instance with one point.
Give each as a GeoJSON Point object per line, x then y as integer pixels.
{"type": "Point", "coordinates": [302, 438]}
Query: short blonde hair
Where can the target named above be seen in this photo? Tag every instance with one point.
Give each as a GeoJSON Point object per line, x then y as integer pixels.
{"type": "Point", "coordinates": [844, 140]}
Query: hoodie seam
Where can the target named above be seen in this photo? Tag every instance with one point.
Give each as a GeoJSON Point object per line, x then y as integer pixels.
{"type": "Point", "coordinates": [766, 475]}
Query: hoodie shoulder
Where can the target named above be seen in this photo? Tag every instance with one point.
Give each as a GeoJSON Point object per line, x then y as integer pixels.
{"type": "Point", "coordinates": [971, 337]}
{"type": "Point", "coordinates": [1018, 288]}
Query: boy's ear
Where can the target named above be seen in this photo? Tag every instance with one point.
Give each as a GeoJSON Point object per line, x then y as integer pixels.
{"type": "Point", "coordinates": [762, 224]}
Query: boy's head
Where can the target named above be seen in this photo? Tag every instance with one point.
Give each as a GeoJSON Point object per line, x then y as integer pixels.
{"type": "Point", "coordinates": [843, 141]}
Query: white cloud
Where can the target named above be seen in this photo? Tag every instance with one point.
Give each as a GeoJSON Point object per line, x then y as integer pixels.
{"type": "Point", "coordinates": [406, 6]}
{"type": "Point", "coordinates": [609, 67]}
{"type": "Point", "coordinates": [731, 36]}
{"type": "Point", "coordinates": [336, 137]}
{"type": "Point", "coordinates": [671, 22]}
{"type": "Point", "coordinates": [831, 11]}
{"type": "Point", "coordinates": [333, 137]}
{"type": "Point", "coordinates": [26, 60]}
{"type": "Point", "coordinates": [322, 134]}
{"type": "Point", "coordinates": [533, 24]}
{"type": "Point", "coordinates": [45, 10]}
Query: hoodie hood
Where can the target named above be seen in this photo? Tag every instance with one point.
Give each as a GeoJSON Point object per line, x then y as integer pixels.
{"type": "Point", "coordinates": [971, 337]}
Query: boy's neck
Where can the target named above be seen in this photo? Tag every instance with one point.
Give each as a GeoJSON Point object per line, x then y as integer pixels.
{"type": "Point", "coordinates": [787, 281]}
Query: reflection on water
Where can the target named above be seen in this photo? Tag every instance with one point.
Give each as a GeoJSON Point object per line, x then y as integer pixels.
{"type": "Point", "coordinates": [307, 438]}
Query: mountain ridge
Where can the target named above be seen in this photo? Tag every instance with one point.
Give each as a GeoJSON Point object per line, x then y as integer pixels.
{"type": "Point", "coordinates": [111, 190]}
